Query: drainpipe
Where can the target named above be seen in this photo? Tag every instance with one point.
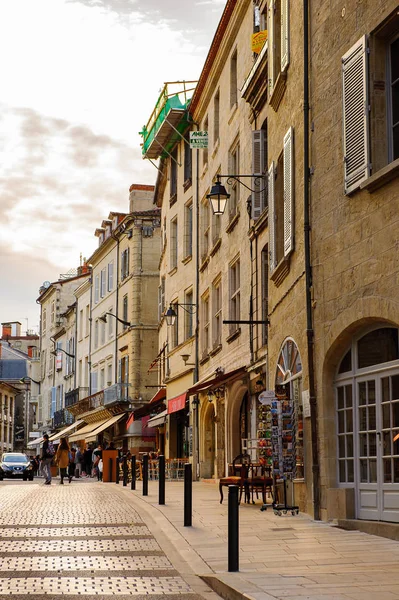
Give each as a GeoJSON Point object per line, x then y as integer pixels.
{"type": "Point", "coordinates": [75, 347]}
{"type": "Point", "coordinates": [137, 255]}
{"type": "Point", "coordinates": [197, 299]}
{"type": "Point", "coordinates": [308, 269]}
{"type": "Point", "coordinates": [116, 238]}
{"type": "Point", "coordinates": [90, 326]}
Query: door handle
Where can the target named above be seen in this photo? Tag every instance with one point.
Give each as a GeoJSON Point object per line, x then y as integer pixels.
{"type": "Point", "coordinates": [379, 435]}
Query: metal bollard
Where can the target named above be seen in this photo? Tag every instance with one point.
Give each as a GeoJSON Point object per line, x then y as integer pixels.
{"type": "Point", "coordinates": [161, 467]}
{"type": "Point", "coordinates": [133, 482]}
{"type": "Point", "coordinates": [188, 494]}
{"type": "Point", "coordinates": [145, 474]}
{"type": "Point", "coordinates": [233, 529]}
{"type": "Point", "coordinates": [124, 471]}
{"type": "Point", "coordinates": [110, 469]}
{"type": "Point", "coordinates": [117, 470]}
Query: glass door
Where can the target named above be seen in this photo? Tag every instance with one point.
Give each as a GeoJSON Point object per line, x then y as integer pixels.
{"type": "Point", "coordinates": [368, 450]}
{"type": "Point", "coordinates": [390, 448]}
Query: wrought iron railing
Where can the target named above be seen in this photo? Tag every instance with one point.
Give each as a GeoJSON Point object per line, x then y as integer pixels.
{"type": "Point", "coordinates": [62, 417]}
{"type": "Point", "coordinates": [119, 392]}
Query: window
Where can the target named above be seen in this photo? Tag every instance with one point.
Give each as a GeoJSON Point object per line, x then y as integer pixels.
{"type": "Point", "coordinates": [124, 264]}
{"type": "Point", "coordinates": [187, 158]}
{"type": "Point", "coordinates": [96, 288]}
{"type": "Point", "coordinates": [173, 244]}
{"type": "Point", "coordinates": [173, 172]}
{"type": "Point", "coordinates": [217, 312]}
{"type": "Point", "coordinates": [161, 299]}
{"type": "Point", "coordinates": [109, 374]}
{"type": "Point", "coordinates": [345, 433]}
{"type": "Point", "coordinates": [393, 94]}
{"type": "Point", "coordinates": [44, 320]}
{"type": "Point", "coordinates": [205, 320]}
{"type": "Point", "coordinates": [216, 227]}
{"type": "Point", "coordinates": [87, 328]}
{"type": "Point", "coordinates": [259, 168]}
{"type": "Point", "coordinates": [205, 228]}
{"type": "Point", "coordinates": [281, 203]}
{"type": "Point", "coordinates": [102, 335]}
{"type": "Point", "coordinates": [205, 127]}
{"type": "Point", "coordinates": [124, 370]}
{"type": "Point", "coordinates": [188, 229]}
{"type": "Point", "coordinates": [216, 117]}
{"type": "Point", "coordinates": [265, 291]}
{"type": "Point", "coordinates": [81, 322]}
{"type": "Point", "coordinates": [80, 374]}
{"type": "Point", "coordinates": [233, 79]}
{"type": "Point", "coordinates": [102, 379]}
{"type": "Point", "coordinates": [86, 373]}
{"type": "Point", "coordinates": [96, 334]}
{"type": "Point", "coordinates": [102, 284]}
{"type": "Point", "coordinates": [188, 315]}
{"type": "Point", "coordinates": [234, 285]}
{"type": "Point", "coordinates": [279, 40]}
{"type": "Point", "coordinates": [110, 275]}
{"type": "Point", "coordinates": [174, 330]}
{"type": "Point", "coordinates": [125, 310]}
{"type": "Point", "coordinates": [234, 169]}
{"type": "Point", "coordinates": [94, 382]}
{"type": "Point", "coordinates": [52, 313]}
{"type": "Point", "coordinates": [110, 324]}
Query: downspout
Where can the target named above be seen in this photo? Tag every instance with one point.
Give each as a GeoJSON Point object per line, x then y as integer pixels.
{"type": "Point", "coordinates": [90, 326]}
{"type": "Point", "coordinates": [137, 248]}
{"type": "Point", "coordinates": [116, 238]}
{"type": "Point", "coordinates": [308, 269]}
{"type": "Point", "coordinates": [75, 347]}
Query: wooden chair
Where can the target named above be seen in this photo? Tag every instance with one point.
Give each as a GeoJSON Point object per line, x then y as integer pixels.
{"type": "Point", "coordinates": [259, 480]}
{"type": "Point", "coordinates": [239, 476]}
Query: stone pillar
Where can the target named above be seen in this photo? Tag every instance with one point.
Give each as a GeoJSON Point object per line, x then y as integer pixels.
{"type": "Point", "coordinates": [8, 423]}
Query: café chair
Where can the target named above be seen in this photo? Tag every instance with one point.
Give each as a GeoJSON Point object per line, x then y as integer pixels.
{"type": "Point", "coordinates": [239, 476]}
{"type": "Point", "coordinates": [259, 480]}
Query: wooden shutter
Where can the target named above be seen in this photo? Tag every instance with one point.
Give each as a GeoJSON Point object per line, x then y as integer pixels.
{"type": "Point", "coordinates": [270, 49]}
{"type": "Point", "coordinates": [258, 164]}
{"type": "Point", "coordinates": [96, 288]}
{"type": "Point", "coordinates": [288, 154]}
{"type": "Point", "coordinates": [272, 218]}
{"type": "Point", "coordinates": [285, 34]}
{"type": "Point", "coordinates": [53, 401]}
{"type": "Point", "coordinates": [355, 115]}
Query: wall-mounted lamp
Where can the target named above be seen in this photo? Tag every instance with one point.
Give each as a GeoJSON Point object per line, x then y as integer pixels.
{"type": "Point", "coordinates": [103, 318]}
{"type": "Point", "coordinates": [55, 352]}
{"type": "Point", "coordinates": [185, 358]}
{"type": "Point", "coordinates": [26, 379]}
{"type": "Point", "coordinates": [218, 195]}
{"type": "Point", "coordinates": [215, 393]}
{"type": "Point", "coordinates": [171, 314]}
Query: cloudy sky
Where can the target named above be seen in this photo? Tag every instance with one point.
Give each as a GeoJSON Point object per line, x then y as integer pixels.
{"type": "Point", "coordinates": [79, 78]}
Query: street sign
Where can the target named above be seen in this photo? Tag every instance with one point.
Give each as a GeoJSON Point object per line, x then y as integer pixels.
{"type": "Point", "coordinates": [198, 139]}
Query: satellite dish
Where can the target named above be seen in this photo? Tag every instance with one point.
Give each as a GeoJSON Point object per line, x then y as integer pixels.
{"type": "Point", "coordinates": [46, 284]}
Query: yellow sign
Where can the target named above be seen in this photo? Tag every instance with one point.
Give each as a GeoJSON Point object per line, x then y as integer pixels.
{"type": "Point", "coordinates": [257, 40]}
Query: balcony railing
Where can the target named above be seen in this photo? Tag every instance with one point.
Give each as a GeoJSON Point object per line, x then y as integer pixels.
{"type": "Point", "coordinates": [62, 417]}
{"type": "Point", "coordinates": [89, 403]}
{"type": "Point", "coordinates": [119, 392]}
{"type": "Point", "coordinates": [75, 395]}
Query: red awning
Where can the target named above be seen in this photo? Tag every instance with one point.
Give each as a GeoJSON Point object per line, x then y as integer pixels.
{"type": "Point", "coordinates": [215, 381]}
{"type": "Point", "coordinates": [160, 395]}
{"type": "Point", "coordinates": [177, 403]}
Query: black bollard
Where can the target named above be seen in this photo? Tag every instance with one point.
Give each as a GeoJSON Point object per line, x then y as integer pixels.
{"type": "Point", "coordinates": [161, 466]}
{"type": "Point", "coordinates": [133, 482]}
{"type": "Point", "coordinates": [233, 529]}
{"type": "Point", "coordinates": [110, 469]}
{"type": "Point", "coordinates": [188, 495]}
{"type": "Point", "coordinates": [124, 471]}
{"type": "Point", "coordinates": [145, 474]}
{"type": "Point", "coordinates": [117, 470]}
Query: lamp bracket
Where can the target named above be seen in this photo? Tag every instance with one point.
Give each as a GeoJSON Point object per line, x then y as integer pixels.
{"type": "Point", "coordinates": [258, 180]}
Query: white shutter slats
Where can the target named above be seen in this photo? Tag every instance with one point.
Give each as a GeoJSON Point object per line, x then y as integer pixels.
{"type": "Point", "coordinates": [355, 115]}
{"type": "Point", "coordinates": [258, 161]}
{"type": "Point", "coordinates": [272, 218]}
{"type": "Point", "coordinates": [288, 153]}
{"type": "Point", "coordinates": [270, 48]}
{"type": "Point", "coordinates": [285, 34]}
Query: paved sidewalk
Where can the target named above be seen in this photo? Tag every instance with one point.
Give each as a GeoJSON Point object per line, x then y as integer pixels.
{"type": "Point", "coordinates": [287, 557]}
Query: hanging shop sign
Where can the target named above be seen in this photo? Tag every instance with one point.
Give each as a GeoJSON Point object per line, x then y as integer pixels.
{"type": "Point", "coordinates": [198, 139]}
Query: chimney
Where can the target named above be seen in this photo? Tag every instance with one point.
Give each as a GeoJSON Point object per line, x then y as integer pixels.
{"type": "Point", "coordinates": [141, 197]}
{"type": "Point", "coordinates": [6, 330]}
{"type": "Point", "coordinates": [30, 351]}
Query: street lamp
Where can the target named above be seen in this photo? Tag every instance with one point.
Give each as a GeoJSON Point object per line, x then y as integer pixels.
{"type": "Point", "coordinates": [103, 318]}
{"type": "Point", "coordinates": [23, 380]}
{"type": "Point", "coordinates": [218, 195]}
{"type": "Point", "coordinates": [171, 314]}
{"type": "Point", "coordinates": [55, 352]}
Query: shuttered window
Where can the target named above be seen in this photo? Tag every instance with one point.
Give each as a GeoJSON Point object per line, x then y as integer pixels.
{"type": "Point", "coordinates": [259, 196]}
{"type": "Point", "coordinates": [355, 115]}
{"type": "Point", "coordinates": [272, 218]}
{"type": "Point", "coordinates": [288, 153]}
{"type": "Point", "coordinates": [285, 34]}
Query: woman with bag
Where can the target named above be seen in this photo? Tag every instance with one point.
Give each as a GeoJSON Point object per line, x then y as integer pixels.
{"type": "Point", "coordinates": [71, 466]}
{"type": "Point", "coordinates": [62, 458]}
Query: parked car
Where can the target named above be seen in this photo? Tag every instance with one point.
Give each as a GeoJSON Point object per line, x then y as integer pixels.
{"type": "Point", "coordinates": [15, 464]}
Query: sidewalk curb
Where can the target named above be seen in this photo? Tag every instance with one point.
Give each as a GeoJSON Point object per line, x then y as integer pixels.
{"type": "Point", "coordinates": [228, 592]}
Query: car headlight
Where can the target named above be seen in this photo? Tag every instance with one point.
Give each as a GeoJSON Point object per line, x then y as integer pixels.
{"type": "Point", "coordinates": [6, 468]}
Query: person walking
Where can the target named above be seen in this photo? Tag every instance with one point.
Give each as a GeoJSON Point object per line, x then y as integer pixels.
{"type": "Point", "coordinates": [97, 456]}
{"type": "Point", "coordinates": [71, 466]}
{"type": "Point", "coordinates": [87, 460]}
{"type": "Point", "coordinates": [47, 457]}
{"type": "Point", "coordinates": [62, 458]}
{"type": "Point", "coordinates": [78, 462]}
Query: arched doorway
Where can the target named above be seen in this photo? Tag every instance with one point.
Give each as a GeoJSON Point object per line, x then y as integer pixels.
{"type": "Point", "coordinates": [209, 443]}
{"type": "Point", "coordinates": [367, 421]}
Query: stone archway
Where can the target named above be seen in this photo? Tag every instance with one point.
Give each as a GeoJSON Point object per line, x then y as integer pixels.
{"type": "Point", "coordinates": [235, 396]}
{"type": "Point", "coordinates": [208, 442]}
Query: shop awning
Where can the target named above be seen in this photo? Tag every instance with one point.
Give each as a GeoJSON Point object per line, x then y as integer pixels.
{"type": "Point", "coordinates": [60, 434]}
{"type": "Point", "coordinates": [103, 427]}
{"type": "Point", "coordinates": [158, 420]}
{"type": "Point", "coordinates": [160, 395]}
{"type": "Point", "coordinates": [35, 442]}
{"type": "Point", "coordinates": [215, 381]}
{"type": "Point", "coordinates": [176, 403]}
{"type": "Point", "coordinates": [86, 430]}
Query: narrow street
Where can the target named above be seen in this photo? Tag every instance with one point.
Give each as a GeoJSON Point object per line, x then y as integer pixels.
{"type": "Point", "coordinates": [80, 539]}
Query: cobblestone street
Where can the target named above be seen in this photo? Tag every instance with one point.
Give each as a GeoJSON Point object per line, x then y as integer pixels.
{"type": "Point", "coordinates": [80, 539]}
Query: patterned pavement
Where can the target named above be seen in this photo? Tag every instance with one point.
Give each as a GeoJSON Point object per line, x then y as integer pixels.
{"type": "Point", "coordinates": [76, 540]}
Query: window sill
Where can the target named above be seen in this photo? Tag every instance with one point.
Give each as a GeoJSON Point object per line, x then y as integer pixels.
{"type": "Point", "coordinates": [233, 222]}
{"type": "Point", "coordinates": [172, 200]}
{"type": "Point", "coordinates": [281, 271]}
{"type": "Point", "coordinates": [278, 91]}
{"type": "Point", "coordinates": [215, 350]}
{"type": "Point", "coordinates": [233, 111]}
{"type": "Point", "coordinates": [234, 335]}
{"type": "Point", "coordinates": [204, 263]}
{"type": "Point", "coordinates": [216, 148]}
{"type": "Point", "coordinates": [382, 177]}
{"type": "Point", "coordinates": [204, 359]}
{"type": "Point", "coordinates": [204, 170]}
{"type": "Point", "coordinates": [216, 245]}
{"type": "Point", "coordinates": [187, 259]}
{"type": "Point", "coordinates": [172, 272]}
{"type": "Point", "coordinates": [187, 184]}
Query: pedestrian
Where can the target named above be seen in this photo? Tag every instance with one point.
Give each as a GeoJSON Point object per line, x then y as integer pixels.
{"type": "Point", "coordinates": [97, 456]}
{"type": "Point", "coordinates": [87, 454]}
{"type": "Point", "coordinates": [47, 457]}
{"type": "Point", "coordinates": [62, 458]}
{"type": "Point", "coordinates": [71, 466]}
{"type": "Point", "coordinates": [78, 462]}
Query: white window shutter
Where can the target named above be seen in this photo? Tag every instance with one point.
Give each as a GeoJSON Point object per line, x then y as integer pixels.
{"type": "Point", "coordinates": [258, 162]}
{"type": "Point", "coordinates": [270, 47]}
{"type": "Point", "coordinates": [285, 34]}
{"type": "Point", "coordinates": [355, 115]}
{"type": "Point", "coordinates": [288, 155]}
{"type": "Point", "coordinates": [272, 218]}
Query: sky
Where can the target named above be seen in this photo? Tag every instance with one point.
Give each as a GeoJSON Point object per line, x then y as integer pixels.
{"type": "Point", "coordinates": [79, 79]}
